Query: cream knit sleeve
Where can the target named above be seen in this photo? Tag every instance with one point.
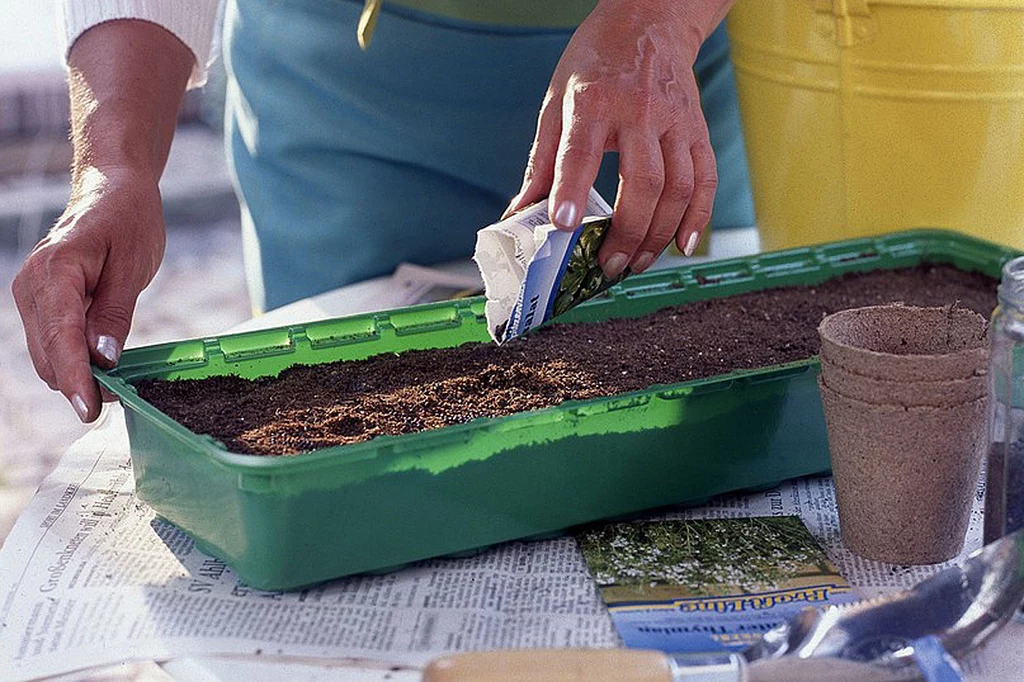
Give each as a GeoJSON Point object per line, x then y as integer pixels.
{"type": "Point", "coordinates": [192, 21]}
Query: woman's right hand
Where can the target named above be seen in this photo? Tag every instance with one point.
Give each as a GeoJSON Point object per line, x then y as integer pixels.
{"type": "Point", "coordinates": [76, 291]}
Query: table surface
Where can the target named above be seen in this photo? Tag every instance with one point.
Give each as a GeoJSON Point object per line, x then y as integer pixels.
{"type": "Point", "coordinates": [378, 294]}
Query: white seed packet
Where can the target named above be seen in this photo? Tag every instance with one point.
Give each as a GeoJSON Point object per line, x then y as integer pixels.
{"type": "Point", "coordinates": [533, 271]}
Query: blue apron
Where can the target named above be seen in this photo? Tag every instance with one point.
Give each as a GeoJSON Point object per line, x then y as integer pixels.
{"type": "Point", "coordinates": [347, 163]}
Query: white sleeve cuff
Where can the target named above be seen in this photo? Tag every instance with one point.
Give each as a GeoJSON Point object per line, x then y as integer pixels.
{"type": "Point", "coordinates": [192, 21]}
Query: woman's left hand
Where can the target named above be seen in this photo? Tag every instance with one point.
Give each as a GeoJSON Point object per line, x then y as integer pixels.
{"type": "Point", "coordinates": [625, 83]}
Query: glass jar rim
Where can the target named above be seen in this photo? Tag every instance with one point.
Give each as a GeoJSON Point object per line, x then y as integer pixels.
{"type": "Point", "coordinates": [1011, 288]}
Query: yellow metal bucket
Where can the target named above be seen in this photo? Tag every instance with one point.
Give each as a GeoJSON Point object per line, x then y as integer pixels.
{"type": "Point", "coordinates": [863, 117]}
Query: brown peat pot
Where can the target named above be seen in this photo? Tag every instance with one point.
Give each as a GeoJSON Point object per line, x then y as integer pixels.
{"type": "Point", "coordinates": [904, 395]}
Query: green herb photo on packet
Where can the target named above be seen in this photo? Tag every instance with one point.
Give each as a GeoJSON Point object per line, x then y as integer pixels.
{"type": "Point", "coordinates": [583, 278]}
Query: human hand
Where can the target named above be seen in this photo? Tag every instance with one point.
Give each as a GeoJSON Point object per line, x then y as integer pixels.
{"type": "Point", "coordinates": [76, 291]}
{"type": "Point", "coordinates": [625, 83]}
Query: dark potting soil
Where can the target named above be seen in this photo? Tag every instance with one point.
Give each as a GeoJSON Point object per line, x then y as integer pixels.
{"type": "Point", "coordinates": [310, 407]}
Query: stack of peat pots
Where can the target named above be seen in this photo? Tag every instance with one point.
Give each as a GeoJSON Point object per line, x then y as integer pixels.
{"type": "Point", "coordinates": [904, 392]}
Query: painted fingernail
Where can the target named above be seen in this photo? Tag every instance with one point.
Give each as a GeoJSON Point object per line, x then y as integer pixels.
{"type": "Point", "coordinates": [565, 216]}
{"type": "Point", "coordinates": [80, 407]}
{"type": "Point", "coordinates": [691, 243]}
{"type": "Point", "coordinates": [642, 261]}
{"type": "Point", "coordinates": [108, 347]}
{"type": "Point", "coordinates": [508, 209]}
{"type": "Point", "coordinates": [615, 264]}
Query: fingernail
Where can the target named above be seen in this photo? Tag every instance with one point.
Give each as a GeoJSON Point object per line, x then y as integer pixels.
{"type": "Point", "coordinates": [565, 216]}
{"type": "Point", "coordinates": [80, 407]}
{"type": "Point", "coordinates": [511, 203]}
{"type": "Point", "coordinates": [691, 243]}
{"type": "Point", "coordinates": [615, 264]}
{"type": "Point", "coordinates": [642, 261]}
{"type": "Point", "coordinates": [108, 347]}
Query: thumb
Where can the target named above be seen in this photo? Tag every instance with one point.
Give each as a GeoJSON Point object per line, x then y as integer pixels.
{"type": "Point", "coordinates": [108, 320]}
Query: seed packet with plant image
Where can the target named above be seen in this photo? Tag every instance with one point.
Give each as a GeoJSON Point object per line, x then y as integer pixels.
{"type": "Point", "coordinates": [533, 271]}
{"type": "Point", "coordinates": [701, 585]}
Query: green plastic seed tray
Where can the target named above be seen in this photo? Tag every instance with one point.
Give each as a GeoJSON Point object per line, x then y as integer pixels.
{"type": "Point", "coordinates": [287, 522]}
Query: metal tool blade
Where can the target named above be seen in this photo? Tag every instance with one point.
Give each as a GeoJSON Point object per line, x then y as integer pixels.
{"type": "Point", "coordinates": [961, 606]}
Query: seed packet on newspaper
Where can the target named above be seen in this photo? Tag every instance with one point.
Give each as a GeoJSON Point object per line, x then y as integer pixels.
{"type": "Point", "coordinates": [533, 271]}
{"type": "Point", "coordinates": [695, 585]}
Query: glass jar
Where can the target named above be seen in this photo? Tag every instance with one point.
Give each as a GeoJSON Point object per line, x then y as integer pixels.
{"type": "Point", "coordinates": [1004, 496]}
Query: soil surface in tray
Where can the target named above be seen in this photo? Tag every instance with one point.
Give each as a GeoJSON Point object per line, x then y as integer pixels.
{"type": "Point", "coordinates": [307, 408]}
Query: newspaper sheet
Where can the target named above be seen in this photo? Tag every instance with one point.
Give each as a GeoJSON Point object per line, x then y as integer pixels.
{"type": "Point", "coordinates": [89, 577]}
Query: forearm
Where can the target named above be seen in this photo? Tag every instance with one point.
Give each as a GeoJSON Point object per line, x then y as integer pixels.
{"type": "Point", "coordinates": [127, 79]}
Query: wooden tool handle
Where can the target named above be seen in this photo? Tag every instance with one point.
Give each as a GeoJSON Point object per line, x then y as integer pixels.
{"type": "Point", "coordinates": [551, 665]}
{"type": "Point", "coordinates": [632, 665]}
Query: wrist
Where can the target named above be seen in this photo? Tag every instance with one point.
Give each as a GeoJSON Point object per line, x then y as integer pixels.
{"type": "Point", "coordinates": [111, 160]}
{"type": "Point", "coordinates": [93, 179]}
{"type": "Point", "coordinates": [691, 21]}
